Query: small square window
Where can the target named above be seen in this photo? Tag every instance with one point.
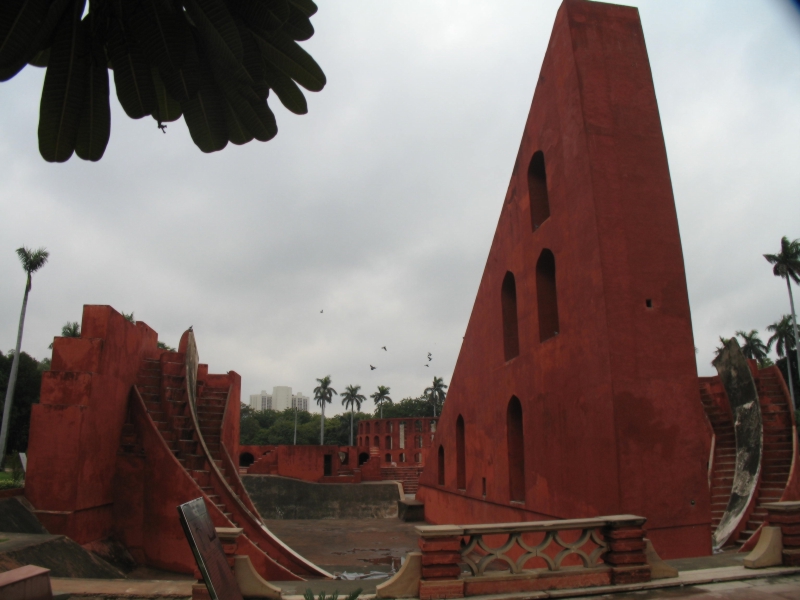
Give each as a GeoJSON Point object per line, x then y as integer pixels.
{"type": "Point", "coordinates": [648, 303]}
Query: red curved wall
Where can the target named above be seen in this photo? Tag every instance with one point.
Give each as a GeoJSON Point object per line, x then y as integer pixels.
{"type": "Point", "coordinates": [611, 414]}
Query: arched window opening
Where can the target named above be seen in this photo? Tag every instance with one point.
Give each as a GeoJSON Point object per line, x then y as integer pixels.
{"type": "Point", "coordinates": [367, 426]}
{"type": "Point", "coordinates": [246, 459]}
{"type": "Point", "coordinates": [388, 458]}
{"type": "Point", "coordinates": [546, 295]}
{"type": "Point", "coordinates": [537, 190]}
{"type": "Point", "coordinates": [362, 458]}
{"type": "Point", "coordinates": [417, 425]}
{"type": "Point", "coordinates": [441, 465]}
{"type": "Point", "coordinates": [402, 457]}
{"type": "Point", "coordinates": [461, 464]}
{"type": "Point", "coordinates": [516, 451]}
{"type": "Point", "coordinates": [377, 427]}
{"type": "Point", "coordinates": [418, 457]}
{"type": "Point", "coordinates": [377, 441]}
{"type": "Point", "coordinates": [509, 305]}
{"type": "Point", "coordinates": [388, 442]}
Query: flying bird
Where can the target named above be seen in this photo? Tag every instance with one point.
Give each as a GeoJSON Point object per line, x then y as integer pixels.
{"type": "Point", "coordinates": [320, 312]}
{"type": "Point", "coordinates": [190, 327]}
{"type": "Point", "coordinates": [427, 365]}
{"type": "Point", "coordinates": [371, 368]}
{"type": "Point", "coordinates": [383, 348]}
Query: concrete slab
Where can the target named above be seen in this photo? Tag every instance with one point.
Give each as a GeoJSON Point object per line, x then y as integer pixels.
{"type": "Point", "coordinates": [58, 553]}
{"type": "Point", "coordinates": [15, 517]}
{"type": "Point", "coordinates": [120, 588]}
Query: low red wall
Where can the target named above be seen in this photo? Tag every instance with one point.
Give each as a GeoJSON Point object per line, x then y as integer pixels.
{"type": "Point", "coordinates": [301, 462]}
{"type": "Point", "coordinates": [402, 440]}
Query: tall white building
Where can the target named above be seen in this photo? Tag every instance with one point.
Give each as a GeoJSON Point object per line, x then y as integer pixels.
{"type": "Point", "coordinates": [262, 401]}
{"type": "Point", "coordinates": [280, 399]}
{"type": "Point", "coordinates": [299, 401]}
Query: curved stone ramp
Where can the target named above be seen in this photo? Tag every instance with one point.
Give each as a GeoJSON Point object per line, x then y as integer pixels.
{"type": "Point", "coordinates": [191, 432]}
{"type": "Point", "coordinates": [780, 452]}
{"type": "Point", "coordinates": [174, 485]}
{"type": "Point", "coordinates": [739, 384]}
{"type": "Point", "coordinates": [206, 396]}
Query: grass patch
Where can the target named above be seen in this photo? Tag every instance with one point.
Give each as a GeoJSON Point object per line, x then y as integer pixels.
{"type": "Point", "coordinates": [7, 481]}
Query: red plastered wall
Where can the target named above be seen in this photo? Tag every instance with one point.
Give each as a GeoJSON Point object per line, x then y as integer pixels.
{"type": "Point", "coordinates": [76, 427]}
{"type": "Point", "coordinates": [612, 419]}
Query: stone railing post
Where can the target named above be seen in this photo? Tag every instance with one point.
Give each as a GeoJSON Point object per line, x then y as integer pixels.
{"type": "Point", "coordinates": [786, 515]}
{"type": "Point", "coordinates": [626, 550]}
{"type": "Point", "coordinates": [441, 555]}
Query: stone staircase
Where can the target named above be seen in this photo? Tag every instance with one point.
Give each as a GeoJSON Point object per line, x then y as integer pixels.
{"type": "Point", "coordinates": [162, 385]}
{"type": "Point", "coordinates": [408, 476]}
{"type": "Point", "coordinates": [724, 454]}
{"type": "Point", "coordinates": [776, 461]}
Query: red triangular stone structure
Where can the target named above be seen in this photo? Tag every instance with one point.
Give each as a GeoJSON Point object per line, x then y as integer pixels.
{"type": "Point", "coordinates": [575, 393]}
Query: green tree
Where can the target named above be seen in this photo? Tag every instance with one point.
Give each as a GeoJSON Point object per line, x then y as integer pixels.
{"type": "Point", "coordinates": [753, 347]}
{"type": "Point", "coordinates": [32, 261]}
{"type": "Point", "coordinates": [786, 264]}
{"type": "Point", "coordinates": [381, 397]}
{"type": "Point", "coordinates": [436, 394]}
{"type": "Point", "coordinates": [323, 394]}
{"type": "Point", "coordinates": [26, 394]}
{"type": "Point", "coordinates": [784, 340]}
{"type": "Point", "coordinates": [162, 346]}
{"type": "Point", "coordinates": [213, 62]}
{"type": "Point", "coordinates": [352, 400]}
{"type": "Point", "coordinates": [408, 407]}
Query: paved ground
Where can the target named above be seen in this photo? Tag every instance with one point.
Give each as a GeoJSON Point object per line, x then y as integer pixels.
{"type": "Point", "coordinates": [778, 588]}
{"type": "Point", "coordinates": [364, 545]}
{"type": "Point", "coordinates": [355, 545]}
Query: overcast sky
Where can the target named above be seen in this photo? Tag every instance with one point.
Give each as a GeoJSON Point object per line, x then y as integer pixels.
{"type": "Point", "coordinates": [379, 205]}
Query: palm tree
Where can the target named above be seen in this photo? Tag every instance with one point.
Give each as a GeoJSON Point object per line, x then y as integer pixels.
{"type": "Point", "coordinates": [753, 347]}
{"type": "Point", "coordinates": [436, 393]}
{"type": "Point", "coordinates": [381, 397]}
{"type": "Point", "coordinates": [323, 394]}
{"type": "Point", "coordinates": [71, 329]}
{"type": "Point", "coordinates": [32, 261]}
{"type": "Point", "coordinates": [351, 398]}
{"type": "Point", "coordinates": [786, 265]}
{"type": "Point", "coordinates": [717, 351]}
{"type": "Point", "coordinates": [784, 340]}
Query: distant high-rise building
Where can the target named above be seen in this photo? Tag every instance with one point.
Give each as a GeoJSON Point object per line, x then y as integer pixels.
{"type": "Point", "coordinates": [262, 401]}
{"type": "Point", "coordinates": [299, 401]}
{"type": "Point", "coordinates": [280, 399]}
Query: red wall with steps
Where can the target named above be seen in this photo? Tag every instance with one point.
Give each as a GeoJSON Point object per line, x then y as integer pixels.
{"type": "Point", "coordinates": [130, 450]}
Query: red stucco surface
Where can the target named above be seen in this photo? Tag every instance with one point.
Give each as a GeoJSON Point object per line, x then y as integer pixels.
{"type": "Point", "coordinates": [102, 465]}
{"type": "Point", "coordinates": [611, 414]}
{"type": "Point", "coordinates": [404, 440]}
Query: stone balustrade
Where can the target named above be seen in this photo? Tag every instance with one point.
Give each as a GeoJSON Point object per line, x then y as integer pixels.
{"type": "Point", "coordinates": [470, 560]}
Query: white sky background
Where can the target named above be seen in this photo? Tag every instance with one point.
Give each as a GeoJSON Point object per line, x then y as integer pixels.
{"type": "Point", "coordinates": [379, 206]}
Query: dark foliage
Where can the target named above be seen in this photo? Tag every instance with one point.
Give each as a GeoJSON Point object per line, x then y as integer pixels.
{"type": "Point", "coordinates": [26, 394]}
{"type": "Point", "coordinates": [213, 62]}
{"type": "Point", "coordinates": [268, 427]}
{"type": "Point", "coordinates": [407, 407]}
